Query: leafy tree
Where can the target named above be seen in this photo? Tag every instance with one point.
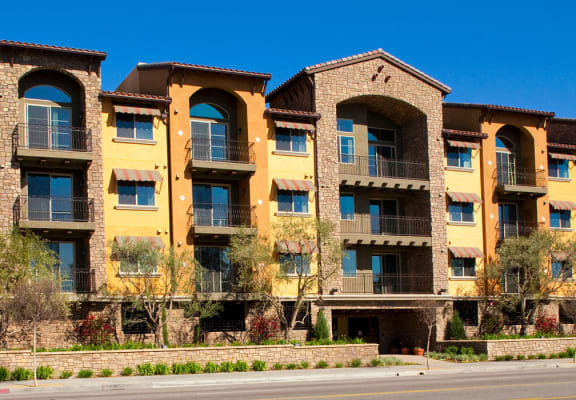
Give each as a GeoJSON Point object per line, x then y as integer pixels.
{"type": "Point", "coordinates": [200, 308]}
{"type": "Point", "coordinates": [456, 329]}
{"type": "Point", "coordinates": [321, 330]}
{"type": "Point", "coordinates": [488, 281]}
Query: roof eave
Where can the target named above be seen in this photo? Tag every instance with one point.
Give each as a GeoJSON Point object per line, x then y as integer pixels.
{"type": "Point", "coordinates": [38, 47]}
{"type": "Point", "coordinates": [201, 68]}
{"type": "Point", "coordinates": [135, 97]}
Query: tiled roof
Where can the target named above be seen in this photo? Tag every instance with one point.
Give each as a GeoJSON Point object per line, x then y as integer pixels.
{"type": "Point", "coordinates": [94, 53]}
{"type": "Point", "coordinates": [500, 108]}
{"type": "Point", "coordinates": [562, 146]}
{"type": "Point", "coordinates": [136, 96]}
{"type": "Point", "coordinates": [457, 132]}
{"type": "Point", "coordinates": [292, 113]}
{"type": "Point", "coordinates": [379, 53]}
{"type": "Point", "coordinates": [206, 68]}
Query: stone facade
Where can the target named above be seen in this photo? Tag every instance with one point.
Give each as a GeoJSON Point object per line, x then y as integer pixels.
{"type": "Point", "coordinates": [117, 360]}
{"type": "Point", "coordinates": [527, 347]}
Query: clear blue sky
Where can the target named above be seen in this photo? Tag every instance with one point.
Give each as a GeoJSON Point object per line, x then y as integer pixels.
{"type": "Point", "coordinates": [501, 52]}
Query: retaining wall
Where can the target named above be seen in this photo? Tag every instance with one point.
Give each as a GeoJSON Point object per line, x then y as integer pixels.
{"type": "Point", "coordinates": [514, 347]}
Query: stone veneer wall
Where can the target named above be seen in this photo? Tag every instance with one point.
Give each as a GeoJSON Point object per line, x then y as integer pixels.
{"type": "Point", "coordinates": [14, 66]}
{"type": "Point", "coordinates": [514, 347]}
{"type": "Point", "coordinates": [116, 360]}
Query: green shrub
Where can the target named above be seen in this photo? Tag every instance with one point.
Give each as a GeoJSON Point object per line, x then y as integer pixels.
{"type": "Point", "coordinates": [193, 368]}
{"type": "Point", "coordinates": [85, 373]}
{"type": "Point", "coordinates": [43, 372]}
{"type": "Point", "coordinates": [451, 350]}
{"type": "Point", "coordinates": [179, 369]}
{"type": "Point", "coordinates": [376, 362]}
{"type": "Point", "coordinates": [146, 369]}
{"type": "Point", "coordinates": [388, 361]}
{"type": "Point", "coordinates": [321, 330]}
{"type": "Point", "coordinates": [456, 327]}
{"type": "Point", "coordinates": [66, 374]}
{"type": "Point", "coordinates": [211, 368]}
{"type": "Point", "coordinates": [227, 366]}
{"type": "Point", "coordinates": [520, 357]}
{"type": "Point", "coordinates": [552, 355]}
{"type": "Point", "coordinates": [291, 366]}
{"type": "Point", "coordinates": [127, 371]}
{"type": "Point", "coordinates": [259, 365]}
{"type": "Point", "coordinates": [161, 369]}
{"type": "Point", "coordinates": [532, 357]}
{"type": "Point", "coordinates": [563, 354]}
{"type": "Point", "coordinates": [355, 363]}
{"type": "Point", "coordinates": [106, 372]}
{"type": "Point", "coordinates": [483, 357]}
{"type": "Point", "coordinates": [4, 374]}
{"type": "Point", "coordinates": [508, 357]}
{"type": "Point", "coordinates": [21, 374]}
{"type": "Point", "coordinates": [467, 351]}
{"type": "Point", "coordinates": [278, 366]}
{"type": "Point", "coordinates": [571, 351]}
{"type": "Point", "coordinates": [322, 364]}
{"type": "Point", "coordinates": [541, 356]}
{"type": "Point", "coordinates": [338, 365]}
{"type": "Point", "coordinates": [500, 358]}
{"type": "Point", "coordinates": [304, 364]}
{"type": "Point", "coordinates": [241, 366]}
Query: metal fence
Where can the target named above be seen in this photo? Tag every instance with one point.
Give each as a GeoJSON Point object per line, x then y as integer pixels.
{"type": "Point", "coordinates": [215, 282]}
{"type": "Point", "coordinates": [386, 225]}
{"type": "Point", "coordinates": [53, 137]}
{"type": "Point", "coordinates": [515, 229]}
{"type": "Point", "coordinates": [56, 209]}
{"type": "Point", "coordinates": [78, 281]}
{"type": "Point", "coordinates": [367, 282]}
{"type": "Point", "coordinates": [371, 166]}
{"type": "Point", "coordinates": [206, 149]}
{"type": "Point", "coordinates": [520, 177]}
{"type": "Point", "coordinates": [224, 215]}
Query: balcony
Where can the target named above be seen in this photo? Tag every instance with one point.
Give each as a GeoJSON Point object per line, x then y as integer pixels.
{"type": "Point", "coordinates": [515, 229]}
{"type": "Point", "coordinates": [78, 281]}
{"type": "Point", "coordinates": [221, 219]}
{"type": "Point", "coordinates": [384, 174]}
{"type": "Point", "coordinates": [225, 158]}
{"type": "Point", "coordinates": [54, 213]}
{"type": "Point", "coordinates": [521, 182]}
{"type": "Point", "coordinates": [214, 282]}
{"type": "Point", "coordinates": [386, 230]}
{"type": "Point", "coordinates": [365, 282]}
{"type": "Point", "coordinates": [52, 143]}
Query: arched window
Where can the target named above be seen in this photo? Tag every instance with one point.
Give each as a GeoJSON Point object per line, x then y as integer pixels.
{"type": "Point", "coordinates": [46, 92]}
{"type": "Point", "coordinates": [208, 111]}
{"type": "Point", "coordinates": [504, 144]}
{"type": "Point", "coordinates": [505, 161]}
{"type": "Point", "coordinates": [209, 128]}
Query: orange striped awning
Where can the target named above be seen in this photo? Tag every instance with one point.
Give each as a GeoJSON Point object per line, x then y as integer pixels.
{"type": "Point", "coordinates": [139, 175]}
{"type": "Point", "coordinates": [460, 143]}
{"type": "Point", "coordinates": [460, 197]}
{"type": "Point", "coordinates": [136, 110]}
{"type": "Point", "coordinates": [153, 240]}
{"type": "Point", "coordinates": [296, 247]}
{"type": "Point", "coordinates": [294, 185]}
{"type": "Point", "coordinates": [562, 205]}
{"type": "Point", "coordinates": [466, 252]}
{"type": "Point", "coordinates": [295, 125]}
{"type": "Point", "coordinates": [560, 156]}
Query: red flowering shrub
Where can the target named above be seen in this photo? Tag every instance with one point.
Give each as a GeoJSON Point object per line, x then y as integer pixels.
{"type": "Point", "coordinates": [546, 323]}
{"type": "Point", "coordinates": [262, 328]}
{"type": "Point", "coordinates": [93, 331]}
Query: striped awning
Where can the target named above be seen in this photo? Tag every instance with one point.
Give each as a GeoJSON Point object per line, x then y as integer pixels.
{"type": "Point", "coordinates": [460, 143]}
{"type": "Point", "coordinates": [140, 175]}
{"type": "Point", "coordinates": [153, 240]}
{"type": "Point", "coordinates": [296, 247]}
{"type": "Point", "coordinates": [562, 205]}
{"type": "Point", "coordinates": [295, 125]}
{"type": "Point", "coordinates": [136, 110]}
{"type": "Point", "coordinates": [460, 197]}
{"type": "Point", "coordinates": [294, 185]}
{"type": "Point", "coordinates": [560, 156]}
{"type": "Point", "coordinates": [466, 252]}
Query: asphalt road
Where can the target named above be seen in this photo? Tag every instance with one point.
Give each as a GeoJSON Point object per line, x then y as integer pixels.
{"type": "Point", "coordinates": [550, 384]}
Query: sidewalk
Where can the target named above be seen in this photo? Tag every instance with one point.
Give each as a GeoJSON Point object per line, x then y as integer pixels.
{"type": "Point", "coordinates": [147, 382]}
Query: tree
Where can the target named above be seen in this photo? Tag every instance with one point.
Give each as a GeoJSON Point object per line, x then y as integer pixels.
{"type": "Point", "coordinates": [199, 308]}
{"type": "Point", "coordinates": [38, 299]}
{"type": "Point", "coordinates": [321, 330]}
{"type": "Point", "coordinates": [456, 328]}
{"type": "Point", "coordinates": [427, 313]}
{"type": "Point", "coordinates": [488, 281]}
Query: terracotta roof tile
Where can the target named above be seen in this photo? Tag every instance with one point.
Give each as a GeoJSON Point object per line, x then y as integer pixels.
{"type": "Point", "coordinates": [500, 108]}
{"type": "Point", "coordinates": [26, 45]}
{"type": "Point", "coordinates": [563, 146]}
{"type": "Point", "coordinates": [207, 68]}
{"type": "Point", "coordinates": [457, 132]}
{"type": "Point", "coordinates": [136, 96]}
{"type": "Point", "coordinates": [292, 113]}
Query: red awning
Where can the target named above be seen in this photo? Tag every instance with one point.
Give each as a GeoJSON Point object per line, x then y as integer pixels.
{"type": "Point", "coordinates": [136, 110]}
{"type": "Point", "coordinates": [140, 175]}
{"type": "Point", "coordinates": [296, 247]}
{"type": "Point", "coordinates": [460, 197]}
{"type": "Point", "coordinates": [294, 185]}
{"type": "Point", "coordinates": [295, 125]}
{"type": "Point", "coordinates": [466, 252]}
{"type": "Point", "coordinates": [562, 205]}
{"type": "Point", "coordinates": [560, 156]}
{"type": "Point", "coordinates": [467, 145]}
{"type": "Point", "coordinates": [153, 240]}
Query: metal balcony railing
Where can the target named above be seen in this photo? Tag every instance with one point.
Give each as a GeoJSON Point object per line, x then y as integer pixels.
{"type": "Point", "coordinates": [370, 166]}
{"type": "Point", "coordinates": [53, 137]}
{"type": "Point", "coordinates": [54, 209]}
{"type": "Point", "coordinates": [223, 215]}
{"type": "Point", "coordinates": [515, 229]}
{"type": "Point", "coordinates": [367, 282]}
{"type": "Point", "coordinates": [520, 177]}
{"type": "Point", "coordinates": [206, 149]}
{"type": "Point", "coordinates": [214, 282]}
{"type": "Point", "coordinates": [78, 281]}
{"type": "Point", "coordinates": [386, 225]}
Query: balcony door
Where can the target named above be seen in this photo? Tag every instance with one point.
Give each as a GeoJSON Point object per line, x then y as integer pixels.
{"type": "Point", "coordinates": [65, 252]}
{"type": "Point", "coordinates": [209, 140]}
{"type": "Point", "coordinates": [381, 151]}
{"type": "Point", "coordinates": [211, 205]}
{"type": "Point", "coordinates": [386, 273]}
{"type": "Point", "coordinates": [508, 220]}
{"type": "Point", "coordinates": [216, 272]}
{"type": "Point", "coordinates": [505, 161]}
{"type": "Point", "coordinates": [49, 197]}
{"type": "Point", "coordinates": [380, 213]}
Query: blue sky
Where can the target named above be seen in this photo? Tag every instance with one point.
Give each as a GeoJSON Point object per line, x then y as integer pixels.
{"type": "Point", "coordinates": [500, 52]}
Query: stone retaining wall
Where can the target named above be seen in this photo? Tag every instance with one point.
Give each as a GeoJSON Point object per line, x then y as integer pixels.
{"type": "Point", "coordinates": [513, 347]}
{"type": "Point", "coordinates": [116, 360]}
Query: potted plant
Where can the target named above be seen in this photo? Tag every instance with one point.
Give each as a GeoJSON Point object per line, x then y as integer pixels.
{"type": "Point", "coordinates": [418, 351]}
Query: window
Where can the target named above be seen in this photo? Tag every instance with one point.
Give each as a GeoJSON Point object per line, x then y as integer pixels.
{"type": "Point", "coordinates": [468, 312]}
{"type": "Point", "coordinates": [65, 267]}
{"type": "Point", "coordinates": [461, 212]}
{"type": "Point", "coordinates": [303, 318]}
{"type": "Point", "coordinates": [512, 315]}
{"type": "Point", "coordinates": [132, 126]}
{"type": "Point", "coordinates": [294, 264]}
{"type": "Point", "coordinates": [136, 193]}
{"type": "Point", "coordinates": [558, 168]}
{"type": "Point", "coordinates": [459, 157]}
{"type": "Point", "coordinates": [292, 201]}
{"type": "Point", "coordinates": [346, 149]}
{"type": "Point", "coordinates": [347, 206]}
{"type": "Point", "coordinates": [559, 219]}
{"type": "Point", "coordinates": [344, 125]}
{"type": "Point", "coordinates": [349, 263]}
{"type": "Point", "coordinates": [47, 92]}
{"type": "Point", "coordinates": [462, 267]}
{"type": "Point", "coordinates": [137, 267]}
{"type": "Point", "coordinates": [561, 270]}
{"type": "Point", "coordinates": [230, 319]}
{"type": "Point", "coordinates": [293, 140]}
{"type": "Point", "coordinates": [135, 321]}
{"type": "Point", "coordinates": [568, 312]}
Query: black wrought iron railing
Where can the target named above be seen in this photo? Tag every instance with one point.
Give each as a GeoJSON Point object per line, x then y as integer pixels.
{"type": "Point", "coordinates": [222, 324]}
{"type": "Point", "coordinates": [223, 215]}
{"type": "Point", "coordinates": [367, 282]}
{"type": "Point", "coordinates": [55, 209]}
{"type": "Point", "coordinates": [53, 137]}
{"type": "Point", "coordinates": [215, 282]}
{"type": "Point", "coordinates": [371, 166]}
{"type": "Point", "coordinates": [78, 281]}
{"type": "Point", "coordinates": [386, 225]}
{"type": "Point", "coordinates": [206, 149]}
{"type": "Point", "coordinates": [520, 177]}
{"type": "Point", "coordinates": [515, 229]}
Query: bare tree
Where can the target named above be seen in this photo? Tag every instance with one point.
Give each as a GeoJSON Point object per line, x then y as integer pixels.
{"type": "Point", "coordinates": [427, 312]}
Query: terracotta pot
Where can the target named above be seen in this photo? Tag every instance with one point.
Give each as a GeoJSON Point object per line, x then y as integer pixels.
{"type": "Point", "coordinates": [418, 352]}
{"type": "Point", "coordinates": [405, 350]}
{"type": "Point", "coordinates": [394, 350]}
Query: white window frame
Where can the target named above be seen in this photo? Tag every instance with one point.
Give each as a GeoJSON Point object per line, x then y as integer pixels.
{"type": "Point", "coordinates": [348, 155]}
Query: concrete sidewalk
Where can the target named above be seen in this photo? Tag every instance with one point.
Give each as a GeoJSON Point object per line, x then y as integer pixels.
{"type": "Point", "coordinates": [239, 378]}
